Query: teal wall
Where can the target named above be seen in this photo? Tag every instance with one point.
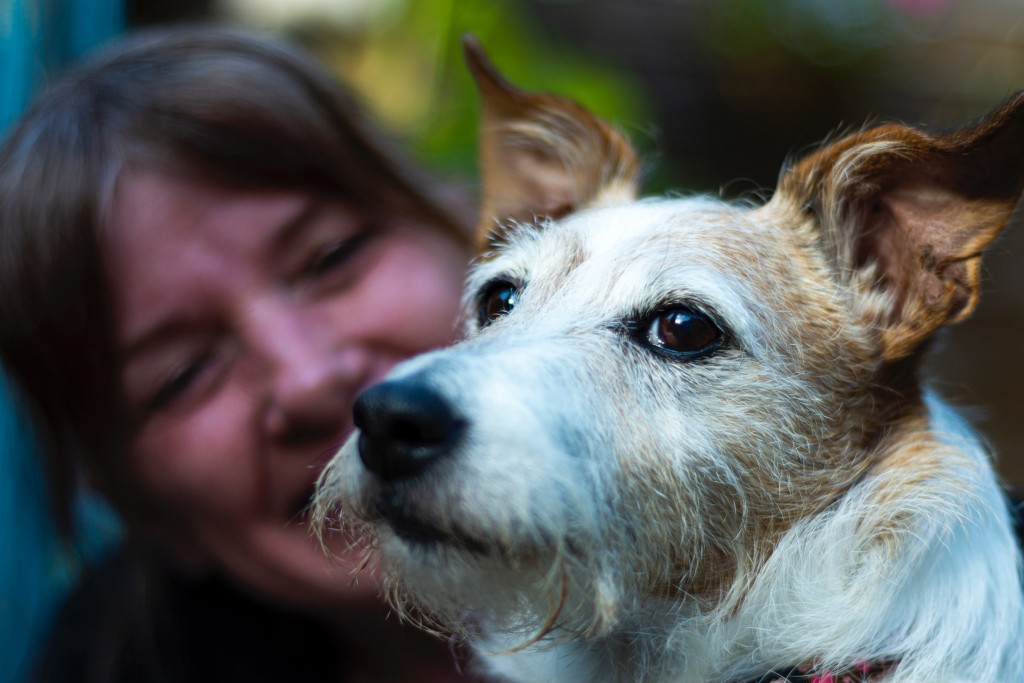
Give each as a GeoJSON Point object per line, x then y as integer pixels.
{"type": "Point", "coordinates": [37, 38]}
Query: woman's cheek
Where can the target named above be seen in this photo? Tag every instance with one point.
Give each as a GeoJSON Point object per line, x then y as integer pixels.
{"type": "Point", "coordinates": [203, 462]}
{"type": "Point", "coordinates": [421, 285]}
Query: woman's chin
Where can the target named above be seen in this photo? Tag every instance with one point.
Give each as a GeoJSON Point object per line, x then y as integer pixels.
{"type": "Point", "coordinates": [290, 566]}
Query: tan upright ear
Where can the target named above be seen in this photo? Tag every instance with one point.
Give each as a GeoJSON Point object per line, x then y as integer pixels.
{"type": "Point", "coordinates": [542, 155]}
{"type": "Point", "coordinates": [905, 216]}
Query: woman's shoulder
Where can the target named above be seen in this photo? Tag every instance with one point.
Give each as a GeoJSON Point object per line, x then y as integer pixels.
{"type": "Point", "coordinates": [101, 632]}
{"type": "Point", "coordinates": [132, 621]}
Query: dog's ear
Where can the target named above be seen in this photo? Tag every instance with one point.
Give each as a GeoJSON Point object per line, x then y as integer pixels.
{"type": "Point", "coordinates": [905, 216]}
{"type": "Point", "coordinates": [542, 156]}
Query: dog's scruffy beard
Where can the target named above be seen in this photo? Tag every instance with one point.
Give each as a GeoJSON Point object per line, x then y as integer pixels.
{"type": "Point", "coordinates": [471, 530]}
{"type": "Point", "coordinates": [532, 580]}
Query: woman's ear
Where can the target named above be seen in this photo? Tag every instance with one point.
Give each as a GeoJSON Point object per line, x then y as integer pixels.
{"type": "Point", "coordinates": [904, 217]}
{"type": "Point", "coordinates": [542, 156]}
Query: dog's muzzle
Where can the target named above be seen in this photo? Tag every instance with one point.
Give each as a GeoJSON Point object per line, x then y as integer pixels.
{"type": "Point", "coordinates": [405, 426]}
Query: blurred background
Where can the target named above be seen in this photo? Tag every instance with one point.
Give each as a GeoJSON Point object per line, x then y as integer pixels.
{"type": "Point", "coordinates": [716, 93]}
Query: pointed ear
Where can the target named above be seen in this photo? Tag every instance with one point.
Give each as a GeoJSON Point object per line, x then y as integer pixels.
{"type": "Point", "coordinates": [542, 155]}
{"type": "Point", "coordinates": [905, 215]}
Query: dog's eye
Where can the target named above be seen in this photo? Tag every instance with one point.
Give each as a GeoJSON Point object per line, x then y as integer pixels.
{"type": "Point", "coordinates": [499, 299]}
{"type": "Point", "coordinates": [683, 333]}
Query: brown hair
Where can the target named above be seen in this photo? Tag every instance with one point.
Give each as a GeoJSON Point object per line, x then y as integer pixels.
{"type": "Point", "coordinates": [224, 104]}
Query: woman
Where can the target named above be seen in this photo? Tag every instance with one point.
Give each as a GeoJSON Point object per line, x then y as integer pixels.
{"type": "Point", "coordinates": [205, 256]}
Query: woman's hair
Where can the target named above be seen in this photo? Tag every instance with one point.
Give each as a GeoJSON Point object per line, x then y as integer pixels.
{"type": "Point", "coordinates": [214, 103]}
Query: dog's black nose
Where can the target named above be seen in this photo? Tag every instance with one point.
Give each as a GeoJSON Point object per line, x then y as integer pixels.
{"type": "Point", "coordinates": [405, 425]}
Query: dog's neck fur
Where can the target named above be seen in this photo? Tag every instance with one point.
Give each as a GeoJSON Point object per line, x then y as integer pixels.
{"type": "Point", "coordinates": [833, 587]}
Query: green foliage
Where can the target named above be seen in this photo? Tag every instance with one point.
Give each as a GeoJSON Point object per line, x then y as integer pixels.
{"type": "Point", "coordinates": [529, 59]}
{"type": "Point", "coordinates": [409, 67]}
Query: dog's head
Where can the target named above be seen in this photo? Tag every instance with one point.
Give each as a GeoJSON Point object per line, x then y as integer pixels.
{"type": "Point", "coordinates": [650, 393]}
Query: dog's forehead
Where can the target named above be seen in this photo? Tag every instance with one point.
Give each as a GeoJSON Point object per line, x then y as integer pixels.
{"type": "Point", "coordinates": [637, 255]}
{"type": "Point", "coordinates": [696, 229]}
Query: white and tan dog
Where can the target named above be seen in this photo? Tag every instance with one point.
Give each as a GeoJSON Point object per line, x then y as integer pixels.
{"type": "Point", "coordinates": [687, 440]}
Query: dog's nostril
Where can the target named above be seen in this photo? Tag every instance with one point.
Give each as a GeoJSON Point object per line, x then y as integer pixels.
{"type": "Point", "coordinates": [419, 431]}
{"type": "Point", "coordinates": [405, 425]}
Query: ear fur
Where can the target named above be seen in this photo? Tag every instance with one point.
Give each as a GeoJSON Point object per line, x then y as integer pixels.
{"type": "Point", "coordinates": [542, 156]}
{"type": "Point", "coordinates": [905, 215]}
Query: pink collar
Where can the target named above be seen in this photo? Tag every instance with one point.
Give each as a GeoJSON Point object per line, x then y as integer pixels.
{"type": "Point", "coordinates": [862, 672]}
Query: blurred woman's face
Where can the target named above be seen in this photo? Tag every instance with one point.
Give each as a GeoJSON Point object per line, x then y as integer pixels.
{"type": "Point", "coordinates": [248, 322]}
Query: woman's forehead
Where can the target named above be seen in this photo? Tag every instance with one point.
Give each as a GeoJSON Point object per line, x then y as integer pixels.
{"type": "Point", "coordinates": [172, 243]}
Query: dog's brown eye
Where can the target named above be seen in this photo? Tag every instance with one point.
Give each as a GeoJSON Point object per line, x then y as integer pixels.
{"type": "Point", "coordinates": [683, 333]}
{"type": "Point", "coordinates": [499, 299]}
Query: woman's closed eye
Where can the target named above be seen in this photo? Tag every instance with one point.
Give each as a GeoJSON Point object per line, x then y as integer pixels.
{"type": "Point", "coordinates": [334, 254]}
{"type": "Point", "coordinates": [183, 381]}
{"type": "Point", "coordinates": [333, 263]}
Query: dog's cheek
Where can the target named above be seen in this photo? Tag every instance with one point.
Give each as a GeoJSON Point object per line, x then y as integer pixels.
{"type": "Point", "coordinates": [715, 464]}
{"type": "Point", "coordinates": [683, 502]}
{"type": "Point", "coordinates": [521, 476]}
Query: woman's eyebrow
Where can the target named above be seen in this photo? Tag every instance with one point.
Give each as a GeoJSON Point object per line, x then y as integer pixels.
{"type": "Point", "coordinates": [290, 229]}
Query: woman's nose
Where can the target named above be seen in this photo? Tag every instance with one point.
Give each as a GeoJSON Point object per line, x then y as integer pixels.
{"type": "Point", "coordinates": [311, 379]}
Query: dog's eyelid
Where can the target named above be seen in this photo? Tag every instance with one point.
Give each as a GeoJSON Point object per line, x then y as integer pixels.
{"type": "Point", "coordinates": [644, 315]}
{"type": "Point", "coordinates": [500, 279]}
{"type": "Point", "coordinates": [638, 328]}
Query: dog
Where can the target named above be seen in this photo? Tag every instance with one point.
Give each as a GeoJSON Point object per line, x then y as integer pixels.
{"type": "Point", "coordinates": [689, 440]}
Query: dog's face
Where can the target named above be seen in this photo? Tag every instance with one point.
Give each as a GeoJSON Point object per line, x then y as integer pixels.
{"type": "Point", "coordinates": [648, 376]}
{"type": "Point", "coordinates": [651, 392]}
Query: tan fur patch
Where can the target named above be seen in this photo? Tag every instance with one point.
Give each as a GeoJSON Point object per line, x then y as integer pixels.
{"type": "Point", "coordinates": [543, 156]}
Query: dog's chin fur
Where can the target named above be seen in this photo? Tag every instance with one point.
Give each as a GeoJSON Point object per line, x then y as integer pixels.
{"type": "Point", "coordinates": [615, 508]}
